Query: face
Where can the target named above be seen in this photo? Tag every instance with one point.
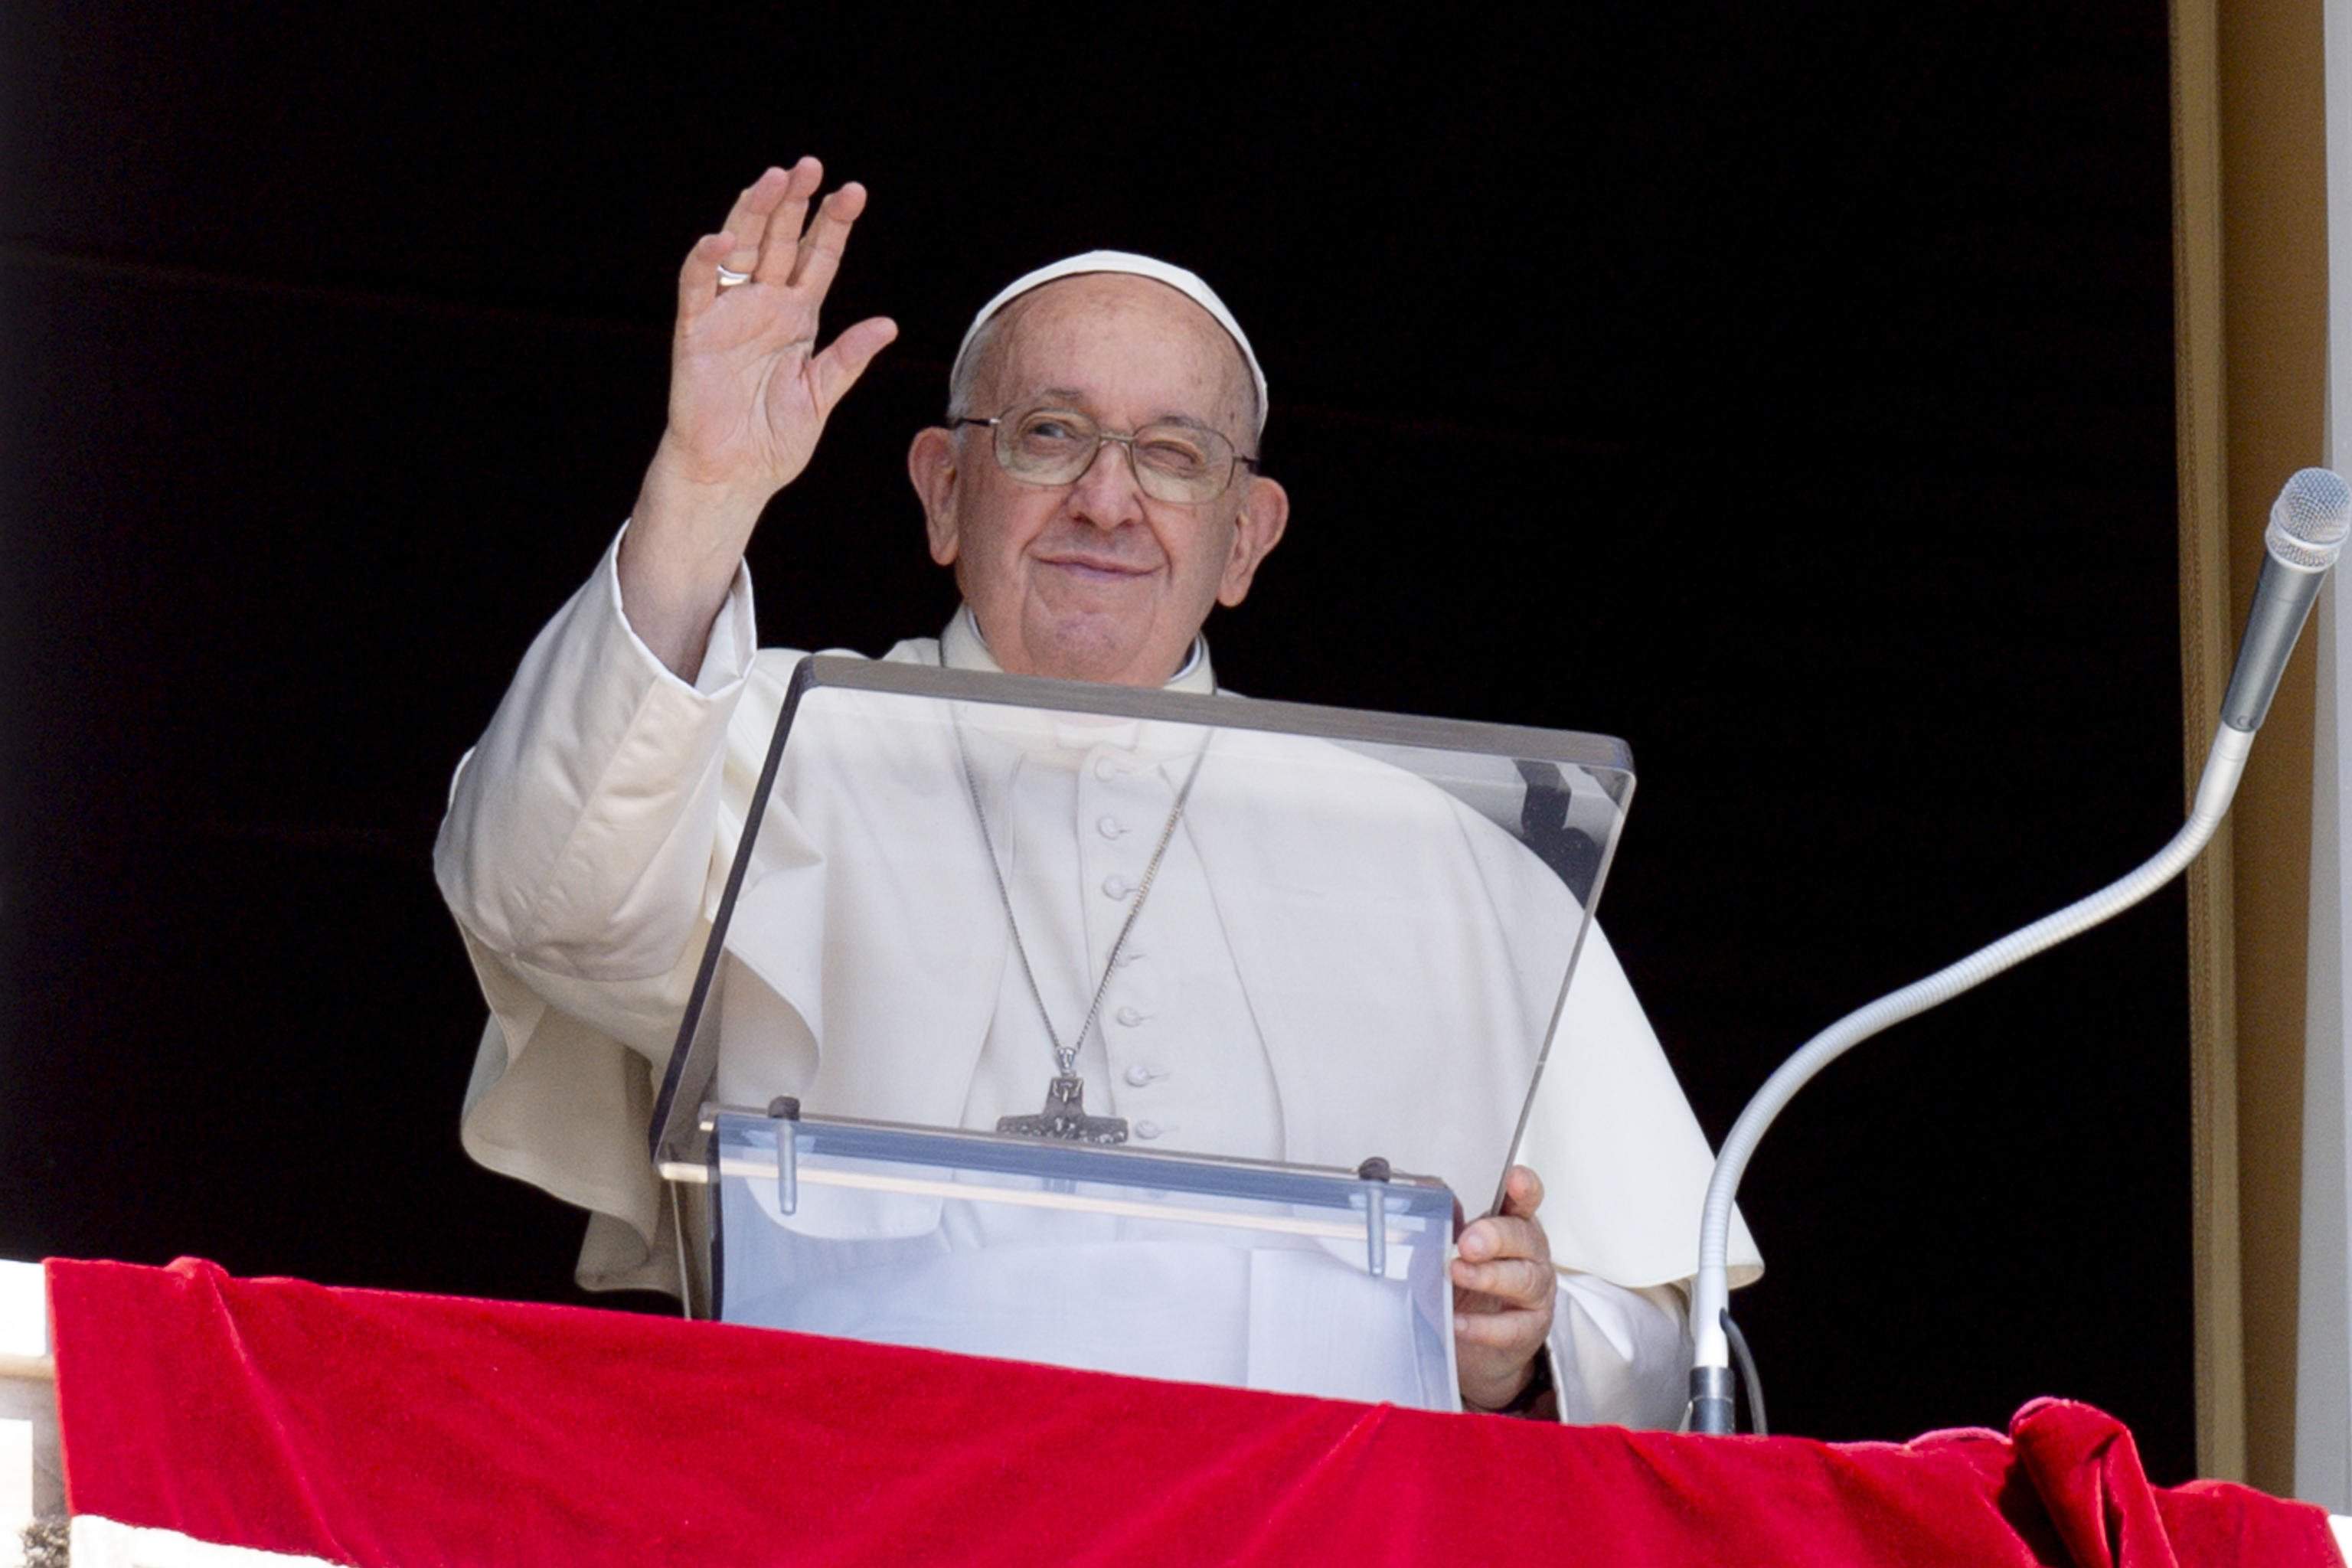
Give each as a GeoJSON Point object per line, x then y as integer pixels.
{"type": "Point", "coordinates": [1095, 580]}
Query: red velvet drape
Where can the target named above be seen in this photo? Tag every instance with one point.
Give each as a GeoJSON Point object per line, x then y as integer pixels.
{"type": "Point", "coordinates": [367, 1427]}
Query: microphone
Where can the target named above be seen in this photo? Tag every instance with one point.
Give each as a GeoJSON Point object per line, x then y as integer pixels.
{"type": "Point", "coordinates": [2308, 522]}
{"type": "Point", "coordinates": [2306, 534]}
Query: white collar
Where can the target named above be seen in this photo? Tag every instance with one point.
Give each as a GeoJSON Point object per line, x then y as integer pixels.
{"type": "Point", "coordinates": [962, 647]}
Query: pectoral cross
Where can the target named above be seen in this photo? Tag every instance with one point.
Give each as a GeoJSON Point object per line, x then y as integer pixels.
{"type": "Point", "coordinates": [1065, 1116]}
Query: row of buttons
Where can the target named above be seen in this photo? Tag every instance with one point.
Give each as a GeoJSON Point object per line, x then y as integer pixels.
{"type": "Point", "coordinates": [1115, 887]}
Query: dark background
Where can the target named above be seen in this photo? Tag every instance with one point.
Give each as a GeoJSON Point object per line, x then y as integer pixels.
{"type": "Point", "coordinates": [1788, 393]}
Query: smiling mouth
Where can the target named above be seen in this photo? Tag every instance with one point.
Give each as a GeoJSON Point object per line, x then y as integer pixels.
{"type": "Point", "coordinates": [1097, 571]}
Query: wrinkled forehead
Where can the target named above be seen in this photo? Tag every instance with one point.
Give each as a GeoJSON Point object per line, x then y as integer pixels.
{"type": "Point", "coordinates": [1104, 335]}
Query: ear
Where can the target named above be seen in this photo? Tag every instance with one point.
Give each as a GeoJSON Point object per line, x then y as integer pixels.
{"type": "Point", "coordinates": [931, 465]}
{"type": "Point", "coordinates": [1265, 511]}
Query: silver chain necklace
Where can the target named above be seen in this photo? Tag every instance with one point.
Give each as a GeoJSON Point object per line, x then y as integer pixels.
{"type": "Point", "coordinates": [1064, 1113]}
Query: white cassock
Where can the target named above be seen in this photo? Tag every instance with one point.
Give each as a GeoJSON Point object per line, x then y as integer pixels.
{"type": "Point", "coordinates": [588, 841]}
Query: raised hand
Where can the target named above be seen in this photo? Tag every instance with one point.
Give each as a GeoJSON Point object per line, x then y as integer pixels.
{"type": "Point", "coordinates": [1503, 1293]}
{"type": "Point", "coordinates": [750, 393]}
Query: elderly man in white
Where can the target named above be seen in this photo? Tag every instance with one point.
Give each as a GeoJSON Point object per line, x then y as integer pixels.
{"type": "Point", "coordinates": [590, 827]}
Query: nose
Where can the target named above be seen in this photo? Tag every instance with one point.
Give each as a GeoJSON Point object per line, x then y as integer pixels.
{"type": "Point", "coordinates": [1108, 493]}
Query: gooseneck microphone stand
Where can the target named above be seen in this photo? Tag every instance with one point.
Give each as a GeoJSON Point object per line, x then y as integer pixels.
{"type": "Point", "coordinates": [2306, 534]}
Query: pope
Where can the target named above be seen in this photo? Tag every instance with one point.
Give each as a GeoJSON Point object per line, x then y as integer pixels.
{"type": "Point", "coordinates": [1097, 492]}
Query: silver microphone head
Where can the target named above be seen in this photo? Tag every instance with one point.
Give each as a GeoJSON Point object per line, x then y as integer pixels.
{"type": "Point", "coordinates": [2309, 520]}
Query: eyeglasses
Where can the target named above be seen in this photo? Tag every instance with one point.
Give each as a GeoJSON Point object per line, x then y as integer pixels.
{"type": "Point", "coordinates": [1182, 464]}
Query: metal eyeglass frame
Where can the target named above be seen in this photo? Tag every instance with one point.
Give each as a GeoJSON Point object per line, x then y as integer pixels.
{"type": "Point", "coordinates": [1240, 460]}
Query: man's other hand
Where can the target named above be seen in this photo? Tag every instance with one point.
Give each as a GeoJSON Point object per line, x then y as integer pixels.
{"type": "Point", "coordinates": [749, 396]}
{"type": "Point", "coordinates": [1503, 1289]}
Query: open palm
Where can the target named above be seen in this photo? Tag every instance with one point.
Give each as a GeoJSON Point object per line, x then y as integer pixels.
{"type": "Point", "coordinates": [749, 392]}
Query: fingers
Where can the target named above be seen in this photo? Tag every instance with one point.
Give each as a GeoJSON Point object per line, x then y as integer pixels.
{"type": "Point", "coordinates": [780, 243]}
{"type": "Point", "coordinates": [1500, 1235]}
{"type": "Point", "coordinates": [1503, 1294]}
{"type": "Point", "coordinates": [1518, 1335]}
{"type": "Point", "coordinates": [828, 237]}
{"type": "Point", "coordinates": [763, 238]}
{"type": "Point", "coordinates": [1507, 1256]}
{"type": "Point", "coordinates": [1523, 1192]}
{"type": "Point", "coordinates": [1517, 1283]}
{"type": "Point", "coordinates": [747, 220]}
{"type": "Point", "coordinates": [697, 280]}
{"type": "Point", "coordinates": [834, 372]}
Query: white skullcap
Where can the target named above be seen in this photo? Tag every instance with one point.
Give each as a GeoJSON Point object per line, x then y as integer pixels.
{"type": "Point", "coordinates": [1186, 283]}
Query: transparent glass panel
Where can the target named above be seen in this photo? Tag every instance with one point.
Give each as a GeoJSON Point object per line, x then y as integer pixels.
{"type": "Point", "coordinates": [1259, 930]}
{"type": "Point", "coordinates": [1112, 1259]}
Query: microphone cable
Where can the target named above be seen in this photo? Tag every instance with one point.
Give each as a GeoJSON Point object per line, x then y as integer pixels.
{"type": "Point", "coordinates": [2308, 529]}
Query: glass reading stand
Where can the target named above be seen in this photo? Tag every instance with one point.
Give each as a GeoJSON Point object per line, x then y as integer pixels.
{"type": "Point", "coordinates": [1103, 1027]}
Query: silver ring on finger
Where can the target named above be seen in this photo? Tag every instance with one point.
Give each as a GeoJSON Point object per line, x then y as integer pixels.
{"type": "Point", "coordinates": [729, 278]}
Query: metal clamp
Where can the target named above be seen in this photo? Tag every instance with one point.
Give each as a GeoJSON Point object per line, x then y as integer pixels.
{"type": "Point", "coordinates": [1374, 1173]}
{"type": "Point", "coordinates": [785, 1112]}
{"type": "Point", "coordinates": [1711, 1400]}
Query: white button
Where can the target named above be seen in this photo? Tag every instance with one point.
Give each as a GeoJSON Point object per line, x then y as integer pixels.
{"type": "Point", "coordinates": [1116, 887]}
{"type": "Point", "coordinates": [1147, 1129]}
{"type": "Point", "coordinates": [1139, 1075]}
{"type": "Point", "coordinates": [1111, 827]}
{"type": "Point", "coordinates": [1130, 1017]}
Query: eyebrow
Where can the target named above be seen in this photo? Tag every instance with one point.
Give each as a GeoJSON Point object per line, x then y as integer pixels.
{"type": "Point", "coordinates": [1072, 395]}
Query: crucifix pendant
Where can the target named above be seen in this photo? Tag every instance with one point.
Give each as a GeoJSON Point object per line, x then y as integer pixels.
{"type": "Point", "coordinates": [1065, 1116]}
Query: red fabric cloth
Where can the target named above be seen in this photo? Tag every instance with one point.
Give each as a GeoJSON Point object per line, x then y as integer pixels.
{"type": "Point", "coordinates": [366, 1427]}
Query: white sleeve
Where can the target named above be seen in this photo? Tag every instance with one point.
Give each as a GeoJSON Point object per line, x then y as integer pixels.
{"type": "Point", "coordinates": [577, 856]}
{"type": "Point", "coordinates": [1619, 1356]}
{"type": "Point", "coordinates": [579, 832]}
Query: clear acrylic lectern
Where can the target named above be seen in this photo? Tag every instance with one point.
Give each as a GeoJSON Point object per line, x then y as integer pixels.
{"type": "Point", "coordinates": [1139, 1030]}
